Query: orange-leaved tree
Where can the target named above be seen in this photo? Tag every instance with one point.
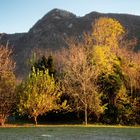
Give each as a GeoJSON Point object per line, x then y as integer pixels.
{"type": "Point", "coordinates": [7, 84]}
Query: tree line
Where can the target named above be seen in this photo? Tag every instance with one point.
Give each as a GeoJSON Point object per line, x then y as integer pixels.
{"type": "Point", "coordinates": [97, 78]}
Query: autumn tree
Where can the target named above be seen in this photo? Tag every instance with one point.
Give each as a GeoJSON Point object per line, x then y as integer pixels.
{"type": "Point", "coordinates": [131, 69]}
{"type": "Point", "coordinates": [119, 68]}
{"type": "Point", "coordinates": [107, 32]}
{"type": "Point", "coordinates": [39, 94]}
{"type": "Point", "coordinates": [80, 81]}
{"type": "Point", "coordinates": [130, 66]}
{"type": "Point", "coordinates": [106, 36]}
{"type": "Point", "coordinates": [7, 84]}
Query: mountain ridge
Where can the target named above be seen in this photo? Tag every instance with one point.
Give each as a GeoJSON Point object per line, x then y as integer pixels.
{"type": "Point", "coordinates": [49, 32]}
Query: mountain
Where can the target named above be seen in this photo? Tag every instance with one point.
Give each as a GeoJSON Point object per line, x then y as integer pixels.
{"type": "Point", "coordinates": [50, 31]}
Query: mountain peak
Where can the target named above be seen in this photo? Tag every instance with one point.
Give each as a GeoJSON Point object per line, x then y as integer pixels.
{"type": "Point", "coordinates": [60, 13]}
{"type": "Point", "coordinates": [47, 21]}
{"type": "Point", "coordinates": [57, 25]}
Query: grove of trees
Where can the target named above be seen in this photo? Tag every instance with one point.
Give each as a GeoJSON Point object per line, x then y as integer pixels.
{"type": "Point", "coordinates": [97, 78]}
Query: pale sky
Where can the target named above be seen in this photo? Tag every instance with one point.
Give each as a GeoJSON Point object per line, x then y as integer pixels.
{"type": "Point", "coordinates": [20, 15]}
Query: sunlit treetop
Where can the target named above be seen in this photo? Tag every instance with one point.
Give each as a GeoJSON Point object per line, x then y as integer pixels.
{"type": "Point", "coordinates": [105, 58]}
{"type": "Point", "coordinates": [107, 32]}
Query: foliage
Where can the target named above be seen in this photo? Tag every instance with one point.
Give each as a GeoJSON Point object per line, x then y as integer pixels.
{"type": "Point", "coordinates": [79, 81]}
{"type": "Point", "coordinates": [7, 84]}
{"type": "Point", "coordinates": [107, 32]}
{"type": "Point", "coordinates": [115, 69]}
{"type": "Point", "coordinates": [39, 94]}
{"type": "Point", "coordinates": [45, 63]}
{"type": "Point", "coordinates": [99, 76]}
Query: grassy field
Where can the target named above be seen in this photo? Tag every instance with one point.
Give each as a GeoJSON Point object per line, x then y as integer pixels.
{"type": "Point", "coordinates": [70, 133]}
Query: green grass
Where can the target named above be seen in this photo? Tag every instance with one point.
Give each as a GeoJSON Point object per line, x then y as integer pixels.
{"type": "Point", "coordinates": [70, 133]}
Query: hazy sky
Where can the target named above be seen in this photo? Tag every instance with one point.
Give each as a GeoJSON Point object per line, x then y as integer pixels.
{"type": "Point", "coordinates": [21, 15]}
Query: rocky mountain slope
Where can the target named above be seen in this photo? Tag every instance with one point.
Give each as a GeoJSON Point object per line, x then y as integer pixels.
{"type": "Point", "coordinates": [50, 31]}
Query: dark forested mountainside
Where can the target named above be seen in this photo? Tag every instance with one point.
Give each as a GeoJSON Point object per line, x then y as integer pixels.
{"type": "Point", "coordinates": [51, 30]}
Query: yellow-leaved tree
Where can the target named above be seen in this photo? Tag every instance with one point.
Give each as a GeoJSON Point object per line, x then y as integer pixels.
{"type": "Point", "coordinates": [39, 94]}
{"type": "Point", "coordinates": [107, 36]}
{"type": "Point", "coordinates": [107, 32]}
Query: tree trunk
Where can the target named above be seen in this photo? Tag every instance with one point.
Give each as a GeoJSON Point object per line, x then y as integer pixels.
{"type": "Point", "coordinates": [85, 114]}
{"type": "Point", "coordinates": [85, 100]}
{"type": "Point", "coordinates": [35, 119]}
{"type": "Point", "coordinates": [131, 88]}
{"type": "Point", "coordinates": [114, 100]}
{"type": "Point", "coordinates": [2, 121]}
